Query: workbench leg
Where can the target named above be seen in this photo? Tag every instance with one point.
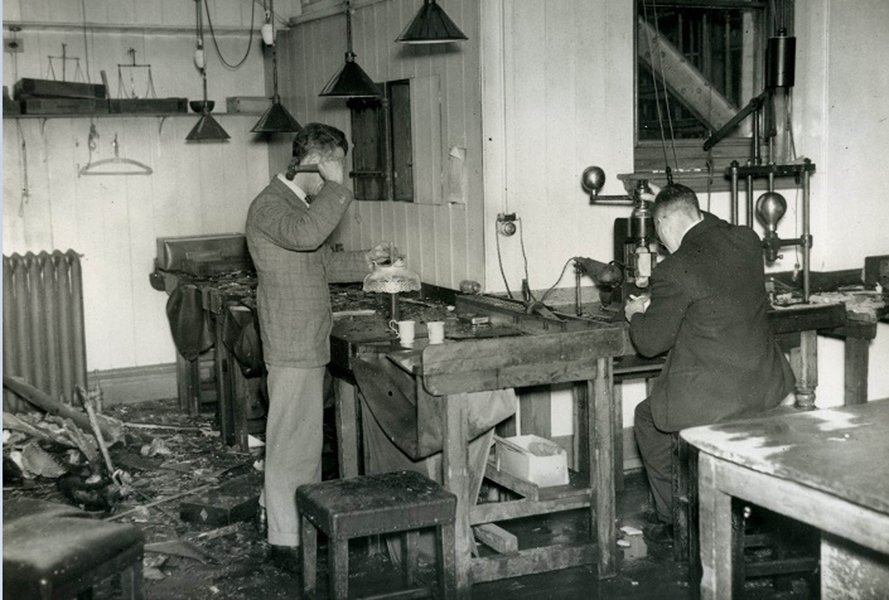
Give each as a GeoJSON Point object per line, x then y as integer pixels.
{"type": "Point", "coordinates": [716, 533]}
{"type": "Point", "coordinates": [851, 571]}
{"type": "Point", "coordinates": [856, 354]}
{"type": "Point", "coordinates": [188, 380]}
{"type": "Point", "coordinates": [601, 428]}
{"type": "Point", "coordinates": [346, 427]}
{"type": "Point", "coordinates": [221, 366]}
{"type": "Point", "coordinates": [455, 477]}
{"type": "Point", "coordinates": [240, 396]}
{"type": "Point", "coordinates": [617, 417]}
{"type": "Point", "coordinates": [807, 370]}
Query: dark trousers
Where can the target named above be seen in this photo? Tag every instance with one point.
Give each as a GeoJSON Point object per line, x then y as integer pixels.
{"type": "Point", "coordinates": [656, 448]}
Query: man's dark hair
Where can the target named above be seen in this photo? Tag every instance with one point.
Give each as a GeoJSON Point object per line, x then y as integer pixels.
{"type": "Point", "coordinates": [318, 137]}
{"type": "Point", "coordinates": [676, 197]}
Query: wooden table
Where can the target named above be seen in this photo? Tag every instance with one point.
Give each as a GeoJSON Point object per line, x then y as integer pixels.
{"type": "Point", "coordinates": [448, 372]}
{"type": "Point", "coordinates": [826, 467]}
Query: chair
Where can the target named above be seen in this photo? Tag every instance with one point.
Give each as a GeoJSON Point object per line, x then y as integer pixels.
{"type": "Point", "coordinates": [397, 502]}
{"type": "Point", "coordinates": [56, 551]}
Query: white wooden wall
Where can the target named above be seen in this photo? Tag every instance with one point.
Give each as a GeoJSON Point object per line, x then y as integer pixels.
{"type": "Point", "coordinates": [443, 242]}
{"type": "Point", "coordinates": [114, 220]}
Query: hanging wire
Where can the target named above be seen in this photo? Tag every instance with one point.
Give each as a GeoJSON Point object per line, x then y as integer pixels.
{"type": "Point", "coordinates": [657, 100]}
{"type": "Point", "coordinates": [666, 96]}
{"type": "Point", "coordinates": [86, 46]}
{"type": "Point", "coordinates": [553, 286]}
{"type": "Point", "coordinates": [26, 186]}
{"type": "Point", "coordinates": [216, 43]}
{"type": "Point", "coordinates": [525, 257]}
{"type": "Point", "coordinates": [500, 262]}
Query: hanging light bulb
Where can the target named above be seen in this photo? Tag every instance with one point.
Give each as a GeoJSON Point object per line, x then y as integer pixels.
{"type": "Point", "coordinates": [351, 80]}
{"type": "Point", "coordinates": [431, 25]}
{"type": "Point", "coordinates": [206, 129]}
{"type": "Point", "coordinates": [268, 30]}
{"type": "Point", "coordinates": [276, 119]}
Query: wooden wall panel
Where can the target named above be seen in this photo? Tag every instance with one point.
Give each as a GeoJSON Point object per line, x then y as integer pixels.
{"type": "Point", "coordinates": [114, 220]}
{"type": "Point", "coordinates": [439, 241]}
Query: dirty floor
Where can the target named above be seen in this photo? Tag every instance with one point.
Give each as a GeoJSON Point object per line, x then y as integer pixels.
{"type": "Point", "coordinates": [168, 454]}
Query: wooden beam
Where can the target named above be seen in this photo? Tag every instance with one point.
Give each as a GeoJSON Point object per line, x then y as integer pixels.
{"type": "Point", "coordinates": [683, 79]}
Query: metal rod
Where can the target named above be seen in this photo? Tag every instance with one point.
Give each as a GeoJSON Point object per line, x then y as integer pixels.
{"type": "Point", "coordinates": [577, 301]}
{"type": "Point", "coordinates": [734, 191]}
{"type": "Point", "coordinates": [750, 201]}
{"type": "Point", "coordinates": [806, 238]}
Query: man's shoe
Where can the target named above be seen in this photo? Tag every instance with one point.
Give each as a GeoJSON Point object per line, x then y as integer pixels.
{"type": "Point", "coordinates": [285, 558]}
{"type": "Point", "coordinates": [661, 533]}
{"type": "Point", "coordinates": [650, 517]}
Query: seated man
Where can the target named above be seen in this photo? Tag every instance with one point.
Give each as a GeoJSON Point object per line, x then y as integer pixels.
{"type": "Point", "coordinates": [707, 309]}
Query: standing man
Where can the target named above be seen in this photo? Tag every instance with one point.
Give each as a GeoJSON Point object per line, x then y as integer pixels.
{"type": "Point", "coordinates": [707, 308]}
{"type": "Point", "coordinates": [287, 226]}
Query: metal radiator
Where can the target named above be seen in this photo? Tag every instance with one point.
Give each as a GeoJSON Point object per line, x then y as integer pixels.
{"type": "Point", "coordinates": [43, 333]}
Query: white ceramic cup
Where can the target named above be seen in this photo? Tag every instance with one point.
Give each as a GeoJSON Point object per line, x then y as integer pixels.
{"type": "Point", "coordinates": [405, 331]}
{"type": "Point", "coordinates": [435, 331]}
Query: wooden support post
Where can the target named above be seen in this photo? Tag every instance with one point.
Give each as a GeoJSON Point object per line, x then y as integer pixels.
{"type": "Point", "coordinates": [807, 370]}
{"type": "Point", "coordinates": [856, 369]}
{"type": "Point", "coordinates": [455, 476]}
{"type": "Point", "coordinates": [601, 428]}
{"type": "Point", "coordinates": [347, 427]}
{"type": "Point", "coordinates": [535, 410]}
{"type": "Point", "coordinates": [224, 400]}
{"type": "Point", "coordinates": [715, 509]}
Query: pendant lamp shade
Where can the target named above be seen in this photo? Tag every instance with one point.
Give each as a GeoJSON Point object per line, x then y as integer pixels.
{"type": "Point", "coordinates": [350, 81]}
{"type": "Point", "coordinates": [206, 129]}
{"type": "Point", "coordinates": [431, 25]}
{"type": "Point", "coordinates": [276, 119]}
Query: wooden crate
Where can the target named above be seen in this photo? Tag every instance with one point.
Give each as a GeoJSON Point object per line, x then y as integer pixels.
{"type": "Point", "coordinates": [255, 105]}
{"type": "Point", "coordinates": [53, 106]}
{"type": "Point", "coordinates": [149, 105]}
{"type": "Point", "coordinates": [49, 88]}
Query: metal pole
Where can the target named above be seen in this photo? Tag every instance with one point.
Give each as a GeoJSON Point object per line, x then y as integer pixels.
{"type": "Point", "coordinates": [807, 238]}
{"type": "Point", "coordinates": [734, 193]}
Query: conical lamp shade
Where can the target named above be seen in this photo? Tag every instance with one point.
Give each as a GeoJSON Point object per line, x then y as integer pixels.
{"type": "Point", "coordinates": [276, 120]}
{"type": "Point", "coordinates": [351, 81]}
{"type": "Point", "coordinates": [431, 26]}
{"type": "Point", "coordinates": [207, 130]}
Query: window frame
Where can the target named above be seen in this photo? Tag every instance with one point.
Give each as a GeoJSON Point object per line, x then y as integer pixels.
{"type": "Point", "coordinates": [702, 170]}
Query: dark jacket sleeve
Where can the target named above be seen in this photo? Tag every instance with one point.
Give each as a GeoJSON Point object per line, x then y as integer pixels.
{"type": "Point", "coordinates": [302, 230]}
{"type": "Point", "coordinates": [654, 331]}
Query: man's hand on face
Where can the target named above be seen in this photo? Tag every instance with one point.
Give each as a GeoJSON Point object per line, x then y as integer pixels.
{"type": "Point", "coordinates": [331, 169]}
{"type": "Point", "coordinates": [636, 305]}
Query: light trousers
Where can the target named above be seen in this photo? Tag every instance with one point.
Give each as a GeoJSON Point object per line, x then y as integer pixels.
{"type": "Point", "coordinates": [294, 438]}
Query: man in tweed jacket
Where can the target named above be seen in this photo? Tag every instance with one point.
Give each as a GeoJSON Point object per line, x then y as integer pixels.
{"type": "Point", "coordinates": [708, 310]}
{"type": "Point", "coordinates": [288, 225]}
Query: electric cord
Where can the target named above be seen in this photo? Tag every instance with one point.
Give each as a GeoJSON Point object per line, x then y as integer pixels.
{"type": "Point", "coordinates": [86, 46]}
{"type": "Point", "coordinates": [216, 43]}
{"type": "Point", "coordinates": [500, 262]}
{"type": "Point", "coordinates": [525, 258]}
{"type": "Point", "coordinates": [553, 286]}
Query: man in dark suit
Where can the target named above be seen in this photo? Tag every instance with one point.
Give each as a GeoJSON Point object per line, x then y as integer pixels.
{"type": "Point", "coordinates": [707, 309]}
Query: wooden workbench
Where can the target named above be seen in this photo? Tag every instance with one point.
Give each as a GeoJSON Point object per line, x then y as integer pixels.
{"type": "Point", "coordinates": [826, 468]}
{"type": "Point", "coordinates": [448, 372]}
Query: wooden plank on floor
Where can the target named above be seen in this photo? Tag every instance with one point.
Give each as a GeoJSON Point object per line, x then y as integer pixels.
{"type": "Point", "coordinates": [496, 538]}
{"type": "Point", "coordinates": [533, 560]}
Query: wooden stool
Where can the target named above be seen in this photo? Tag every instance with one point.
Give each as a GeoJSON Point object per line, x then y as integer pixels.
{"type": "Point", "coordinates": [57, 551]}
{"type": "Point", "coordinates": [402, 501]}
